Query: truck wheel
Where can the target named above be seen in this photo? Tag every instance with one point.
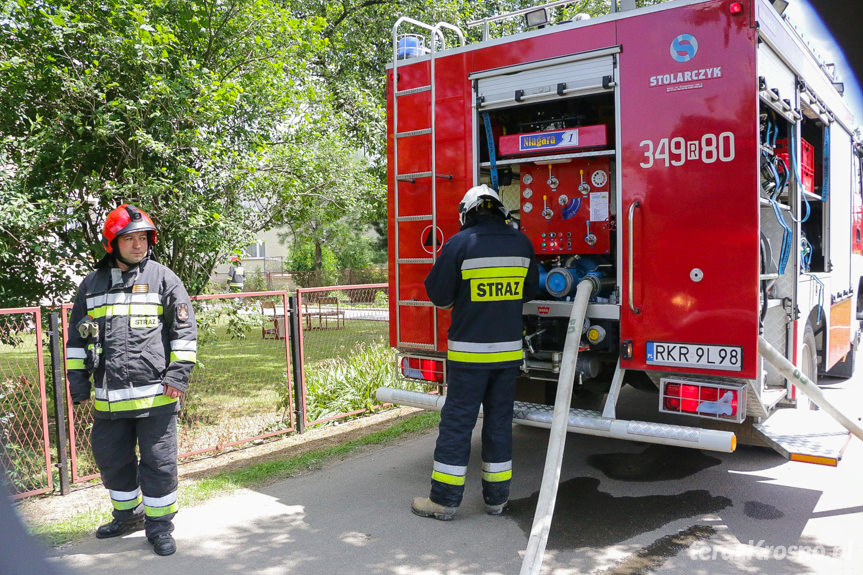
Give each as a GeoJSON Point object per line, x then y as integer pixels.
{"type": "Point", "coordinates": [809, 355]}
{"type": "Point", "coordinates": [809, 367]}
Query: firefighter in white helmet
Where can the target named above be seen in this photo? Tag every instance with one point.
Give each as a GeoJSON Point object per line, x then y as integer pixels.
{"type": "Point", "coordinates": [136, 337]}
{"type": "Point", "coordinates": [484, 273]}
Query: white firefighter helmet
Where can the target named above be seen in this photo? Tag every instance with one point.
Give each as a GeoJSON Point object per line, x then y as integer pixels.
{"type": "Point", "coordinates": [474, 197]}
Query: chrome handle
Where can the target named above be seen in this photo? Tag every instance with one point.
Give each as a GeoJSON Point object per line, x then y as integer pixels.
{"type": "Point", "coordinates": [632, 207]}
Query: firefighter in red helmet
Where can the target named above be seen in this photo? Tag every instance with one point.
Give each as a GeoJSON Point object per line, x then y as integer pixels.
{"type": "Point", "coordinates": [135, 335]}
{"type": "Point", "coordinates": [236, 275]}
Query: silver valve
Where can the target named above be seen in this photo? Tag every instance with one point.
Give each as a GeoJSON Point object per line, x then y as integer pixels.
{"type": "Point", "coordinates": [590, 238]}
{"type": "Point", "coordinates": [528, 339]}
{"type": "Point", "coordinates": [547, 212]}
{"type": "Point", "coordinates": [583, 187]}
{"type": "Point", "coordinates": [552, 180]}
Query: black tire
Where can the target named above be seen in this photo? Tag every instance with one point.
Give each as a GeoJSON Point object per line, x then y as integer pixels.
{"type": "Point", "coordinates": [809, 355]}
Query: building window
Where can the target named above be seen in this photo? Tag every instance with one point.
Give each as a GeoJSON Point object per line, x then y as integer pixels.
{"type": "Point", "coordinates": [257, 250]}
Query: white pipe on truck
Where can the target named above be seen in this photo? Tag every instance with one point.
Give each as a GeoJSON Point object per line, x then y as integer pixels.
{"type": "Point", "coordinates": [557, 437]}
{"type": "Point", "coordinates": [802, 383]}
{"type": "Point", "coordinates": [586, 424]}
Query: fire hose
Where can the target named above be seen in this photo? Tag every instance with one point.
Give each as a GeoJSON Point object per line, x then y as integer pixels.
{"type": "Point", "coordinates": [802, 383]}
{"type": "Point", "coordinates": [557, 436]}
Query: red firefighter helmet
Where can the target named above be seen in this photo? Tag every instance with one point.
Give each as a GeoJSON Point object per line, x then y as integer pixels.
{"type": "Point", "coordinates": [126, 219]}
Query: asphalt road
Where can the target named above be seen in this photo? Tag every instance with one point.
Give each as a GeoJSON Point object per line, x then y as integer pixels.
{"type": "Point", "coordinates": [622, 509]}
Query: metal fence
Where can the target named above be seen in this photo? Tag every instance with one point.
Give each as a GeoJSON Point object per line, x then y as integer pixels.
{"type": "Point", "coordinates": [344, 350]}
{"type": "Point", "coordinates": [268, 364]}
{"type": "Point", "coordinates": [261, 278]}
{"type": "Point", "coordinates": [235, 391]}
{"type": "Point", "coordinates": [24, 440]}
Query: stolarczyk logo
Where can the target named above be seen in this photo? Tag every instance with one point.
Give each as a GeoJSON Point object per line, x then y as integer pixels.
{"type": "Point", "coordinates": [684, 47]}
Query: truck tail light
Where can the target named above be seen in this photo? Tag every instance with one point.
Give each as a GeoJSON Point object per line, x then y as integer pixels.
{"type": "Point", "coordinates": [421, 368]}
{"type": "Point", "coordinates": [736, 8]}
{"type": "Point", "coordinates": [712, 400]}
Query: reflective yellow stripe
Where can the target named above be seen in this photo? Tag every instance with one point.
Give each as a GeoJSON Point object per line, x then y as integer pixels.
{"type": "Point", "coordinates": [499, 476]}
{"type": "Point", "coordinates": [447, 478]}
{"type": "Point", "coordinates": [134, 404]}
{"type": "Point", "coordinates": [468, 357]}
{"type": "Point", "coordinates": [184, 356]}
{"type": "Point", "coordinates": [129, 504]}
{"type": "Point", "coordinates": [506, 272]}
{"type": "Point", "coordinates": [75, 364]}
{"type": "Point", "coordinates": [160, 511]}
{"type": "Point", "coordinates": [126, 309]}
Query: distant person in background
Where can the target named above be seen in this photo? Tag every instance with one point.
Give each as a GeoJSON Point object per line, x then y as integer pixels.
{"type": "Point", "coordinates": [236, 275]}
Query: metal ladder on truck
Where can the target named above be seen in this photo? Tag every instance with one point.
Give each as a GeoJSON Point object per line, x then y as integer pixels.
{"type": "Point", "coordinates": [436, 40]}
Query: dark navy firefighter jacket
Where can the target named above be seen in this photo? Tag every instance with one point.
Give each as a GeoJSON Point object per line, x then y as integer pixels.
{"type": "Point", "coordinates": [485, 273]}
{"type": "Point", "coordinates": [148, 338]}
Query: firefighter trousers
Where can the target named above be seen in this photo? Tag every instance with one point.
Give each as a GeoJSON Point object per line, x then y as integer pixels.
{"type": "Point", "coordinates": [149, 482]}
{"type": "Point", "coordinates": [467, 389]}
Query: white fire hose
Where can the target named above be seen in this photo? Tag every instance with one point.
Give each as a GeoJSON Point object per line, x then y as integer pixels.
{"type": "Point", "coordinates": [802, 383]}
{"type": "Point", "coordinates": [557, 436]}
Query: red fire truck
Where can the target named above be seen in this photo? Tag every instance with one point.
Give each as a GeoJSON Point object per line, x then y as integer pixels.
{"type": "Point", "coordinates": [695, 160]}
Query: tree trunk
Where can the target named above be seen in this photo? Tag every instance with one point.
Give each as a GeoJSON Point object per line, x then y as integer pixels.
{"type": "Point", "coordinates": [319, 256]}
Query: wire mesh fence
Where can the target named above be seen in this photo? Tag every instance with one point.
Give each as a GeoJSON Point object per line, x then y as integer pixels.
{"type": "Point", "coordinates": [24, 445]}
{"type": "Point", "coordinates": [239, 391]}
{"type": "Point", "coordinates": [267, 364]}
{"type": "Point", "coordinates": [241, 388]}
{"type": "Point", "coordinates": [344, 349]}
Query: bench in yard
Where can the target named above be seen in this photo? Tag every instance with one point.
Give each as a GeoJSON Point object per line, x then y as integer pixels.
{"type": "Point", "coordinates": [322, 311]}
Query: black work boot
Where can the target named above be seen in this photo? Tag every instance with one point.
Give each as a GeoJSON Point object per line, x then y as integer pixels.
{"type": "Point", "coordinates": [163, 544]}
{"type": "Point", "coordinates": [118, 527]}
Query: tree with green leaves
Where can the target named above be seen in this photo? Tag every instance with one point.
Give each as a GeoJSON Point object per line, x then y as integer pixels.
{"type": "Point", "coordinates": [169, 105]}
{"type": "Point", "coordinates": [220, 118]}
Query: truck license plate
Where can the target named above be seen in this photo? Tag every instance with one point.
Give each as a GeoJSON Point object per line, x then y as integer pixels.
{"type": "Point", "coordinates": [723, 357]}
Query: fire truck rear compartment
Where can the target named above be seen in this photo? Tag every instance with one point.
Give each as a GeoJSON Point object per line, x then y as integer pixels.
{"type": "Point", "coordinates": [563, 200]}
{"type": "Point", "coordinates": [567, 161]}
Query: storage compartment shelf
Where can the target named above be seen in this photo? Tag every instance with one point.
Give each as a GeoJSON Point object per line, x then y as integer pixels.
{"type": "Point", "coordinates": [549, 158]}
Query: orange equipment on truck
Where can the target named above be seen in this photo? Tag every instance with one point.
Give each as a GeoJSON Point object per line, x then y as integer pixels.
{"type": "Point", "coordinates": [693, 160]}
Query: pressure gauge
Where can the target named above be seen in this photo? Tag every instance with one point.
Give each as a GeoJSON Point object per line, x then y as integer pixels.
{"type": "Point", "coordinates": [527, 207]}
{"type": "Point", "coordinates": [527, 179]}
{"type": "Point", "coordinates": [599, 178]}
{"type": "Point", "coordinates": [527, 193]}
{"type": "Point", "coordinates": [563, 199]}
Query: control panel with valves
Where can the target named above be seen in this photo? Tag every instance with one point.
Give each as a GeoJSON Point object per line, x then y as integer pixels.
{"type": "Point", "coordinates": [565, 207]}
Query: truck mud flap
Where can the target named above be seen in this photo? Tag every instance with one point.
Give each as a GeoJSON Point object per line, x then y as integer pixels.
{"type": "Point", "coordinates": [805, 435]}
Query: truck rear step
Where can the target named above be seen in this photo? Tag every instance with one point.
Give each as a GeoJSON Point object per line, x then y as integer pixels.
{"type": "Point", "coordinates": [587, 422]}
{"type": "Point", "coordinates": [807, 436]}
